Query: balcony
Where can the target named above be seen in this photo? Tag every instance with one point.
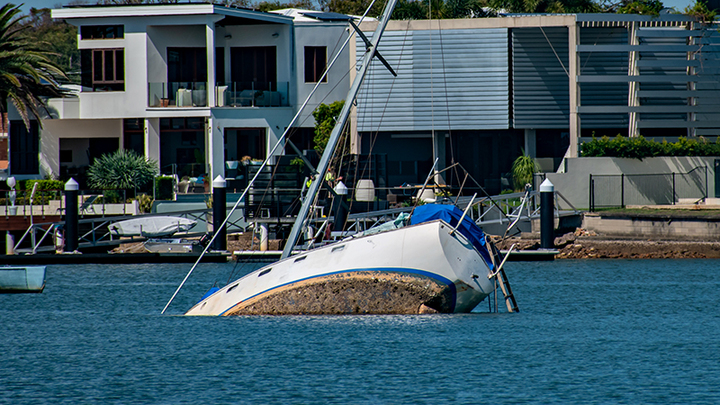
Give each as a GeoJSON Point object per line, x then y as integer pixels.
{"type": "Point", "coordinates": [177, 94]}
{"type": "Point", "coordinates": [234, 94]}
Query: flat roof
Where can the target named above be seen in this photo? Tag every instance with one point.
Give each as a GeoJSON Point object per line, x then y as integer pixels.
{"type": "Point", "coordinates": [157, 10]}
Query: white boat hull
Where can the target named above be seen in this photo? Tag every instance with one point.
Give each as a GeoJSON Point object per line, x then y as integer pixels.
{"type": "Point", "coordinates": [152, 227]}
{"type": "Point", "coordinates": [22, 279]}
{"type": "Point", "coordinates": [414, 269]}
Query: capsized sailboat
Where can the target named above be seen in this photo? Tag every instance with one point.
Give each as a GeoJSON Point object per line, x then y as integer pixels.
{"type": "Point", "coordinates": [436, 261]}
{"type": "Point", "coordinates": [430, 265]}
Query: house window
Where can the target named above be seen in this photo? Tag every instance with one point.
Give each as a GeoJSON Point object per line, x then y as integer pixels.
{"type": "Point", "coordinates": [241, 142]}
{"type": "Point", "coordinates": [315, 63]}
{"type": "Point", "coordinates": [254, 68]}
{"type": "Point", "coordinates": [134, 135]}
{"type": "Point", "coordinates": [187, 65]}
{"type": "Point", "coordinates": [103, 69]}
{"type": "Point", "coordinates": [101, 32]}
{"type": "Point", "coordinates": [24, 148]}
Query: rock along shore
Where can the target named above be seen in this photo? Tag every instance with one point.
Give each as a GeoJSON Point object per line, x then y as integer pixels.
{"type": "Point", "coordinates": [582, 244]}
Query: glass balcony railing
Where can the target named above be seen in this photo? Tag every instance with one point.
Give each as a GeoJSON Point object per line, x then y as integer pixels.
{"type": "Point", "coordinates": [177, 94]}
{"type": "Point", "coordinates": [233, 94]}
{"type": "Point", "coordinates": [252, 94]}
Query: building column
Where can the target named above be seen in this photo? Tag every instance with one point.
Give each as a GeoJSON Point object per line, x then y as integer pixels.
{"type": "Point", "coordinates": [152, 140]}
{"type": "Point", "coordinates": [438, 139]}
{"type": "Point", "coordinates": [210, 48]}
{"type": "Point", "coordinates": [633, 100]}
{"type": "Point", "coordinates": [573, 40]}
{"type": "Point", "coordinates": [531, 143]}
{"type": "Point", "coordinates": [215, 149]}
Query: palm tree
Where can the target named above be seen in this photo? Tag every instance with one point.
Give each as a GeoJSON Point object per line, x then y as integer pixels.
{"type": "Point", "coordinates": [27, 76]}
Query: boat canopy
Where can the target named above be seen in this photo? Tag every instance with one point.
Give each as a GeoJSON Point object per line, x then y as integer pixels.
{"type": "Point", "coordinates": [452, 214]}
{"type": "Point", "coordinates": [152, 227]}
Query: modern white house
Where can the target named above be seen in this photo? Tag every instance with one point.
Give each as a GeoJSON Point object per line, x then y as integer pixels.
{"type": "Point", "coordinates": [196, 87]}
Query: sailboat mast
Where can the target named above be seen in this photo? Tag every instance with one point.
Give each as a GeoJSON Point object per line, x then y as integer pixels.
{"type": "Point", "coordinates": [335, 134]}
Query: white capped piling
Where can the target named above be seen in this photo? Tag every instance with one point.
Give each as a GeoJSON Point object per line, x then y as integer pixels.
{"type": "Point", "coordinates": [219, 213]}
{"type": "Point", "coordinates": [71, 215]}
{"type": "Point", "coordinates": [547, 215]}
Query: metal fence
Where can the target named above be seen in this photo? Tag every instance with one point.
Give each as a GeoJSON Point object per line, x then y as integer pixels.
{"type": "Point", "coordinates": [620, 190]}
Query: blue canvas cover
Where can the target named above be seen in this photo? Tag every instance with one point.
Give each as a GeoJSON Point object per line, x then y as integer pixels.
{"type": "Point", "coordinates": [452, 214]}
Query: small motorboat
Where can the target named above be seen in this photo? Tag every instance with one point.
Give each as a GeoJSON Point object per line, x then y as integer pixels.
{"type": "Point", "coordinates": [22, 279]}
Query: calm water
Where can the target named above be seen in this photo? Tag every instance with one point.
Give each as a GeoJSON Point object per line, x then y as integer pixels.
{"type": "Point", "coordinates": [604, 331]}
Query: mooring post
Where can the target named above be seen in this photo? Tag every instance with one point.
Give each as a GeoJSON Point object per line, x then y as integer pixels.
{"type": "Point", "coordinates": [219, 213]}
{"type": "Point", "coordinates": [71, 216]}
{"type": "Point", "coordinates": [547, 215]}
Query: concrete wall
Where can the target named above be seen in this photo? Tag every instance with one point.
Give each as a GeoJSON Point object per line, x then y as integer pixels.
{"type": "Point", "coordinates": [573, 183]}
{"type": "Point", "coordinates": [331, 36]}
{"type": "Point", "coordinates": [703, 229]}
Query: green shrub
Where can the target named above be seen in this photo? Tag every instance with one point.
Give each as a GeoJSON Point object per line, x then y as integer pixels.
{"type": "Point", "coordinates": [523, 170]}
{"type": "Point", "coordinates": [46, 190]}
{"type": "Point", "coordinates": [640, 148]}
{"type": "Point", "coordinates": [145, 203]}
{"type": "Point", "coordinates": [164, 187]}
{"type": "Point", "coordinates": [123, 169]}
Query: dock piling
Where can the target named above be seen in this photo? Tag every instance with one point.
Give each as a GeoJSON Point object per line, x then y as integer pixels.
{"type": "Point", "coordinates": [547, 215]}
{"type": "Point", "coordinates": [71, 216]}
{"type": "Point", "coordinates": [219, 213]}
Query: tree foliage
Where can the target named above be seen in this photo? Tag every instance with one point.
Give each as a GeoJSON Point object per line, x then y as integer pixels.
{"type": "Point", "coordinates": [325, 117]}
{"type": "Point", "coordinates": [277, 5]}
{"type": "Point", "coordinates": [123, 169]}
{"type": "Point", "coordinates": [700, 10]}
{"type": "Point", "coordinates": [27, 74]}
{"type": "Point", "coordinates": [546, 6]}
{"type": "Point", "coordinates": [57, 38]}
{"type": "Point", "coordinates": [644, 7]}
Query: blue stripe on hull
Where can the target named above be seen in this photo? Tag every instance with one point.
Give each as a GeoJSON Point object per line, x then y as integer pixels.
{"type": "Point", "coordinates": [448, 283]}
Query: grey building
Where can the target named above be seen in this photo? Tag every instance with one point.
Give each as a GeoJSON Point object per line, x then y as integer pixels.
{"type": "Point", "coordinates": [477, 91]}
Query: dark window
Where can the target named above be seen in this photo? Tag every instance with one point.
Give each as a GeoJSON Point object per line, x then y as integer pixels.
{"type": "Point", "coordinates": [103, 69]}
{"type": "Point", "coordinates": [256, 66]}
{"type": "Point", "coordinates": [66, 156]}
{"type": "Point", "coordinates": [101, 32]}
{"type": "Point", "coordinates": [220, 65]}
{"type": "Point", "coordinates": [315, 63]}
{"type": "Point", "coordinates": [134, 135]}
{"type": "Point", "coordinates": [182, 146]}
{"type": "Point", "coordinates": [101, 146]}
{"type": "Point", "coordinates": [187, 65]}
{"type": "Point", "coordinates": [241, 142]}
{"type": "Point", "coordinates": [24, 148]}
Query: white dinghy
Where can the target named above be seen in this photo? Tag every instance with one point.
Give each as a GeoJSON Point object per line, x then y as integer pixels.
{"type": "Point", "coordinates": [152, 227]}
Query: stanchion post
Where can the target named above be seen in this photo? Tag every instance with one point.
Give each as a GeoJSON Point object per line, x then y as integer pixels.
{"type": "Point", "coordinates": [219, 213]}
{"type": "Point", "coordinates": [339, 210]}
{"type": "Point", "coordinates": [547, 215]}
{"type": "Point", "coordinates": [71, 216]}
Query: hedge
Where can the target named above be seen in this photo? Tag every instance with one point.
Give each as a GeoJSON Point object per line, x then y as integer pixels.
{"type": "Point", "coordinates": [639, 148]}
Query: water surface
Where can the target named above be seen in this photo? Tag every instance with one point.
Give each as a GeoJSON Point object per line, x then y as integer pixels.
{"type": "Point", "coordinates": [594, 331]}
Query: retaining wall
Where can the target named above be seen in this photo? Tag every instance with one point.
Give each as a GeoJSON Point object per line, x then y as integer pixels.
{"type": "Point", "coordinates": [573, 177]}
{"type": "Point", "coordinates": [640, 227]}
